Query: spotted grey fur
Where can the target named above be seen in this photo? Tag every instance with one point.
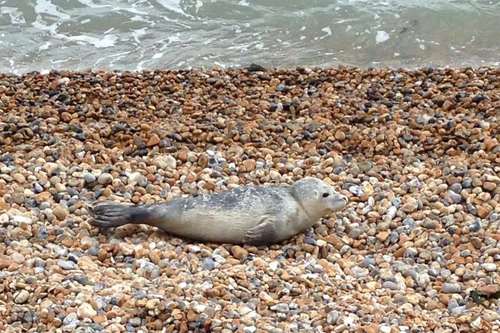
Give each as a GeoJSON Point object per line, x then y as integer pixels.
{"type": "Point", "coordinates": [257, 215]}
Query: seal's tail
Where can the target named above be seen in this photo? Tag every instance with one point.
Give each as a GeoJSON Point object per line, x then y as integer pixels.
{"type": "Point", "coordinates": [110, 214]}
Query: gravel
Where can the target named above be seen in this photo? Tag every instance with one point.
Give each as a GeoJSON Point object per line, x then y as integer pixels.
{"type": "Point", "coordinates": [415, 151]}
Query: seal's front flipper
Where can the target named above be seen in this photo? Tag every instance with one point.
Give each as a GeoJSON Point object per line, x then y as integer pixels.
{"type": "Point", "coordinates": [110, 214]}
{"type": "Point", "coordinates": [262, 234]}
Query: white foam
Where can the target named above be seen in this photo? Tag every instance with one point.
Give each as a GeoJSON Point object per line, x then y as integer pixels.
{"type": "Point", "coordinates": [16, 16]}
{"type": "Point", "coordinates": [198, 5]}
{"type": "Point", "coordinates": [141, 56]}
{"type": "Point", "coordinates": [169, 40]}
{"type": "Point", "coordinates": [117, 55]}
{"type": "Point", "coordinates": [328, 31]}
{"type": "Point", "coordinates": [44, 46]}
{"type": "Point", "coordinates": [91, 4]}
{"type": "Point", "coordinates": [47, 7]}
{"type": "Point", "coordinates": [52, 29]}
{"type": "Point", "coordinates": [60, 61]}
{"type": "Point", "coordinates": [241, 47]}
{"type": "Point", "coordinates": [140, 18]}
{"type": "Point", "coordinates": [157, 55]}
{"type": "Point", "coordinates": [174, 6]}
{"type": "Point", "coordinates": [208, 41]}
{"type": "Point", "coordinates": [139, 65]}
{"type": "Point", "coordinates": [88, 3]}
{"type": "Point", "coordinates": [138, 33]}
{"type": "Point", "coordinates": [173, 39]}
{"type": "Point", "coordinates": [106, 41]}
{"type": "Point", "coordinates": [344, 21]}
{"type": "Point", "coordinates": [221, 65]}
{"type": "Point", "coordinates": [382, 36]}
{"type": "Point", "coordinates": [132, 10]}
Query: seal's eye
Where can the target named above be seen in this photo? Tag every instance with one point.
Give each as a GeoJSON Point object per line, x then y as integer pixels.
{"type": "Point", "coordinates": [325, 195]}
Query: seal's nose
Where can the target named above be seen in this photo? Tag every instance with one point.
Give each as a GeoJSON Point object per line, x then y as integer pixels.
{"type": "Point", "coordinates": [346, 199]}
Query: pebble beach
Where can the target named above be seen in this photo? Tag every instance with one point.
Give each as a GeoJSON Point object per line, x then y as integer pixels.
{"type": "Point", "coordinates": [415, 250]}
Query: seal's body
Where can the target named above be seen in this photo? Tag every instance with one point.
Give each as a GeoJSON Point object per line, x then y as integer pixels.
{"type": "Point", "coordinates": [257, 215]}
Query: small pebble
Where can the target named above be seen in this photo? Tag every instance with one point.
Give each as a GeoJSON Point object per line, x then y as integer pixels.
{"type": "Point", "coordinates": [66, 264]}
{"type": "Point", "coordinates": [21, 297]}
{"type": "Point", "coordinates": [332, 317]}
{"type": "Point", "coordinates": [451, 288]}
{"type": "Point", "coordinates": [208, 263]}
{"type": "Point", "coordinates": [390, 285]}
{"type": "Point", "coordinates": [489, 267]}
{"type": "Point", "coordinates": [105, 179]}
{"type": "Point", "coordinates": [89, 177]}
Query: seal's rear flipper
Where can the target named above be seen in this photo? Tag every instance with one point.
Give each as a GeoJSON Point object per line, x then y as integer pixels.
{"type": "Point", "coordinates": [110, 214]}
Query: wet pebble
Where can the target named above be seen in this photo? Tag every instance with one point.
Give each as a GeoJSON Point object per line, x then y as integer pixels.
{"type": "Point", "coordinates": [208, 263]}
{"type": "Point", "coordinates": [451, 288]}
{"type": "Point", "coordinates": [66, 264]}
{"type": "Point", "coordinates": [89, 177]}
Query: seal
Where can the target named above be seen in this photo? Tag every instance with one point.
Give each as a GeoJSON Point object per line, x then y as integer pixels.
{"type": "Point", "coordinates": [257, 215]}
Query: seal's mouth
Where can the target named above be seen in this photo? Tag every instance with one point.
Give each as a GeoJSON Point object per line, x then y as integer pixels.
{"type": "Point", "coordinates": [339, 204]}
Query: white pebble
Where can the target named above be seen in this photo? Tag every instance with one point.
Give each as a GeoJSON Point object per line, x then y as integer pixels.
{"type": "Point", "coordinates": [21, 297]}
{"type": "Point", "coordinates": [385, 329]}
{"type": "Point", "coordinates": [321, 242]}
{"type": "Point", "coordinates": [250, 329]}
{"type": "Point", "coordinates": [137, 178]}
{"type": "Point", "coordinates": [476, 323]}
{"type": "Point", "coordinates": [4, 218]}
{"type": "Point", "coordinates": [200, 308]}
{"type": "Point", "coordinates": [391, 213]}
{"type": "Point", "coordinates": [274, 265]}
{"type": "Point", "coordinates": [86, 311]}
{"type": "Point", "coordinates": [348, 321]}
{"type": "Point", "coordinates": [19, 219]}
{"type": "Point", "coordinates": [489, 267]}
{"type": "Point", "coordinates": [194, 249]}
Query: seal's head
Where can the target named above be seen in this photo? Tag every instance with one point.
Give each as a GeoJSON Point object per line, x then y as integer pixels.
{"type": "Point", "coordinates": [318, 197]}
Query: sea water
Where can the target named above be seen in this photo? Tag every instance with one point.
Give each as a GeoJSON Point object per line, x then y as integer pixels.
{"type": "Point", "coordinates": [41, 35]}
